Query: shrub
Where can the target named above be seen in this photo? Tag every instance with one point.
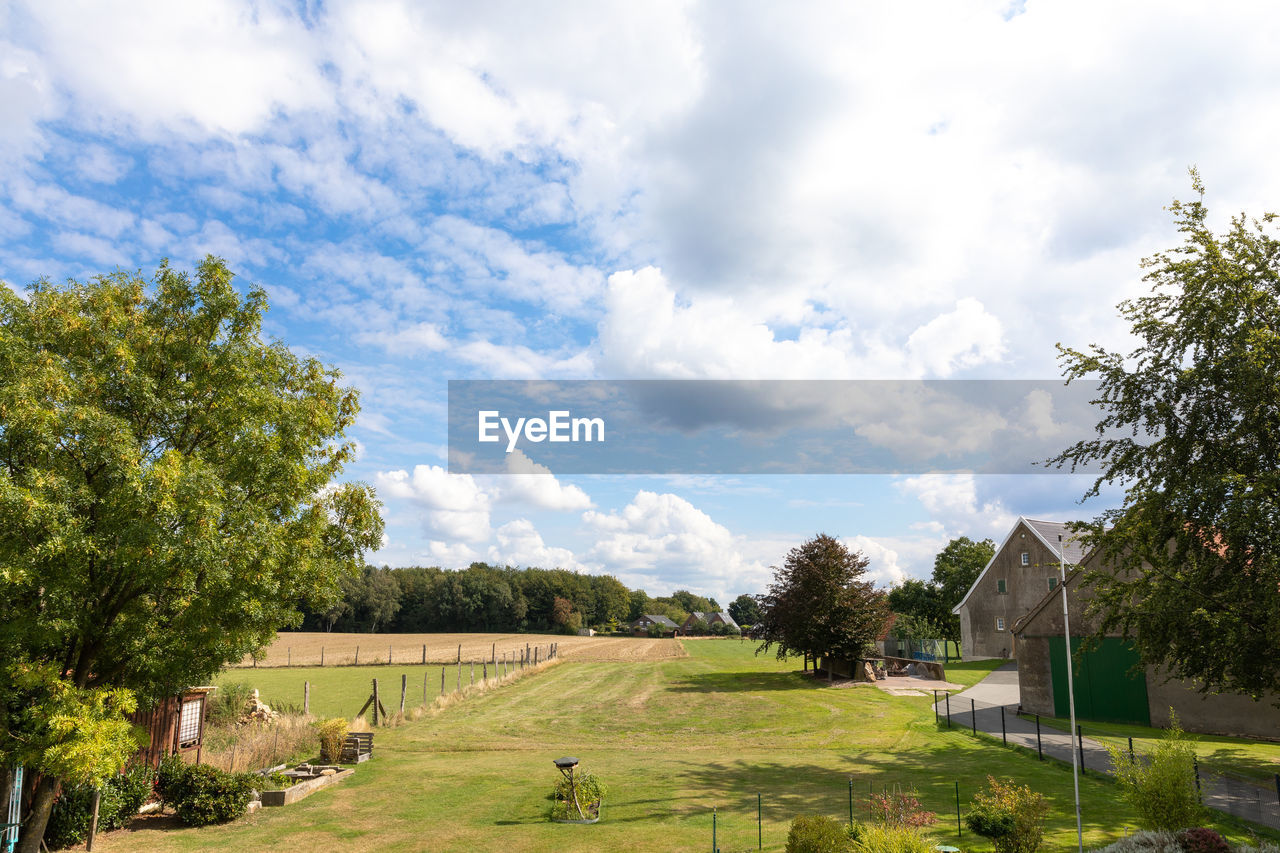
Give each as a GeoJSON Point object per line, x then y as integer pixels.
{"type": "Point", "coordinates": [591, 793]}
{"type": "Point", "coordinates": [812, 833]}
{"type": "Point", "coordinates": [1014, 811]}
{"type": "Point", "coordinates": [1202, 840]}
{"type": "Point", "coordinates": [891, 839]}
{"type": "Point", "coordinates": [208, 795]}
{"type": "Point", "coordinates": [170, 777]}
{"type": "Point", "coordinates": [1161, 785]}
{"type": "Point", "coordinates": [1144, 842]}
{"type": "Point", "coordinates": [333, 732]}
{"type": "Point", "coordinates": [900, 808]}
{"type": "Point", "coordinates": [227, 705]}
{"type": "Point", "coordinates": [121, 798]}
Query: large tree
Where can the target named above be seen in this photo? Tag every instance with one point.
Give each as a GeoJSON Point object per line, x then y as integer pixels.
{"type": "Point", "coordinates": [745, 610]}
{"type": "Point", "coordinates": [1188, 564]}
{"type": "Point", "coordinates": [168, 483]}
{"type": "Point", "coordinates": [819, 603]}
{"type": "Point", "coordinates": [929, 603]}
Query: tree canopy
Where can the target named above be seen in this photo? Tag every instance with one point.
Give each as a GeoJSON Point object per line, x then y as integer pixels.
{"type": "Point", "coordinates": [1188, 564]}
{"type": "Point", "coordinates": [927, 604]}
{"type": "Point", "coordinates": [819, 603]}
{"type": "Point", "coordinates": [168, 481]}
{"type": "Point", "coordinates": [745, 610]}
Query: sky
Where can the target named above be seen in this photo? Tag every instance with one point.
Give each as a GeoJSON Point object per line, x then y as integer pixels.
{"type": "Point", "coordinates": [437, 191]}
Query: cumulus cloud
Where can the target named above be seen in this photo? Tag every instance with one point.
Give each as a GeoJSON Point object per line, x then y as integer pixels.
{"type": "Point", "coordinates": [532, 484]}
{"type": "Point", "coordinates": [456, 507]}
{"type": "Point", "coordinates": [715, 336]}
{"type": "Point", "coordinates": [670, 542]}
{"type": "Point", "coordinates": [520, 544]}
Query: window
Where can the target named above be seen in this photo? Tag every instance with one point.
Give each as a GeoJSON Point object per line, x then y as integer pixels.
{"type": "Point", "coordinates": [1026, 558]}
{"type": "Point", "coordinates": [1053, 584]}
{"type": "Point", "coordinates": [1002, 587]}
{"type": "Point", "coordinates": [999, 623]}
{"type": "Point", "coordinates": [189, 721]}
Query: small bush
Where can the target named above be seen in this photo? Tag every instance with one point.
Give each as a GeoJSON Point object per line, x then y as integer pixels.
{"type": "Point", "coordinates": [1161, 785]}
{"type": "Point", "coordinates": [207, 795]}
{"type": "Point", "coordinates": [891, 839]}
{"type": "Point", "coordinates": [900, 808]}
{"type": "Point", "coordinates": [227, 705]}
{"type": "Point", "coordinates": [1144, 842]}
{"type": "Point", "coordinates": [591, 793]}
{"type": "Point", "coordinates": [812, 833]}
{"type": "Point", "coordinates": [1014, 811]}
{"type": "Point", "coordinates": [170, 777]}
{"type": "Point", "coordinates": [333, 732]}
{"type": "Point", "coordinates": [1203, 840]}
{"type": "Point", "coordinates": [121, 798]}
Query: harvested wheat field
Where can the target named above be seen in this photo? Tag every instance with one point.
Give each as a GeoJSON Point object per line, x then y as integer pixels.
{"type": "Point", "coordinates": [313, 648]}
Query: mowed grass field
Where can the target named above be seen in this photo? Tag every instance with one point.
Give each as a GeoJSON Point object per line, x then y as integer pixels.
{"type": "Point", "coordinates": [301, 648]}
{"type": "Point", "coordinates": [673, 739]}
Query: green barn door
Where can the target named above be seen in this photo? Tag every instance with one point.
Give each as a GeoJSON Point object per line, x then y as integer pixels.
{"type": "Point", "coordinates": [1105, 689]}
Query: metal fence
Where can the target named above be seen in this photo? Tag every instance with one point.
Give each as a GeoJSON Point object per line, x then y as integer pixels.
{"type": "Point", "coordinates": [929, 650]}
{"type": "Point", "coordinates": [1249, 793]}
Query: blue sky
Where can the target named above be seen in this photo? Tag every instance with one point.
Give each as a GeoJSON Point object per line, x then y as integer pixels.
{"type": "Point", "coordinates": [642, 190]}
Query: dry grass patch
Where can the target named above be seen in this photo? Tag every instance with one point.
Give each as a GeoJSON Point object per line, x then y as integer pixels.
{"type": "Point", "coordinates": [301, 648]}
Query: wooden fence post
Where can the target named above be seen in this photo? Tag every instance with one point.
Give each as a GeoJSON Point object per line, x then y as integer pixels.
{"type": "Point", "coordinates": [404, 687]}
{"type": "Point", "coordinates": [376, 700]}
{"type": "Point", "coordinates": [473, 672]}
{"type": "Point", "coordinates": [442, 668]}
{"type": "Point", "coordinates": [484, 676]}
{"type": "Point", "coordinates": [424, 654]}
{"type": "Point", "coordinates": [322, 655]}
{"type": "Point", "coordinates": [306, 697]}
{"type": "Point", "coordinates": [388, 655]}
{"type": "Point", "coordinates": [357, 655]}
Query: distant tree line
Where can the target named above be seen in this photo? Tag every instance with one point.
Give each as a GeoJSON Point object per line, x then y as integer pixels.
{"type": "Point", "coordinates": [482, 597]}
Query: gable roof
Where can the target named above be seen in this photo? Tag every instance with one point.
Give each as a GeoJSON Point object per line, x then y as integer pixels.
{"type": "Point", "coordinates": [661, 620]}
{"type": "Point", "coordinates": [1047, 532]}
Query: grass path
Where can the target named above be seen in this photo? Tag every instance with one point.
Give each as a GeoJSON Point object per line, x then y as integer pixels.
{"type": "Point", "coordinates": [672, 740]}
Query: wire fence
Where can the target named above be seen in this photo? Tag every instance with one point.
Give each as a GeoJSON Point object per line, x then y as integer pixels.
{"type": "Point", "coordinates": [1236, 789]}
{"type": "Point", "coordinates": [929, 650]}
{"type": "Point", "coordinates": [761, 821]}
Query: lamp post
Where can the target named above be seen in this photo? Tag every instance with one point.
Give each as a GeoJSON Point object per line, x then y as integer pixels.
{"type": "Point", "coordinates": [1071, 693]}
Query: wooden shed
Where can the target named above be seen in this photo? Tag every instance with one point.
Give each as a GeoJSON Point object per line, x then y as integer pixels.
{"type": "Point", "coordinates": [175, 724]}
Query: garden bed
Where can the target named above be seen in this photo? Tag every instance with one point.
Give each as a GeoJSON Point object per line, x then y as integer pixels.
{"type": "Point", "coordinates": [311, 778]}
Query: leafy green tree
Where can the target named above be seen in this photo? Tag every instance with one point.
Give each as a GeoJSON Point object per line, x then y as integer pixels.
{"type": "Point", "coordinates": [819, 603]}
{"type": "Point", "coordinates": [168, 481]}
{"type": "Point", "coordinates": [745, 610]}
{"type": "Point", "coordinates": [955, 568]}
{"type": "Point", "coordinates": [639, 605]}
{"type": "Point", "coordinates": [691, 603]}
{"type": "Point", "coordinates": [1189, 566]}
{"type": "Point", "coordinates": [1161, 786]}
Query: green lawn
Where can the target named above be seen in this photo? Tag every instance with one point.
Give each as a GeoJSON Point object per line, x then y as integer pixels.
{"type": "Point", "coordinates": [672, 740]}
{"type": "Point", "coordinates": [340, 691]}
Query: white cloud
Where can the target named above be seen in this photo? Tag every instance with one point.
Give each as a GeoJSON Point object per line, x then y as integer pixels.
{"type": "Point", "coordinates": [520, 544]}
{"type": "Point", "coordinates": [954, 502]}
{"type": "Point", "coordinates": [669, 542]}
{"type": "Point", "coordinates": [650, 331]}
{"type": "Point", "coordinates": [456, 507]}
{"type": "Point", "coordinates": [532, 484]}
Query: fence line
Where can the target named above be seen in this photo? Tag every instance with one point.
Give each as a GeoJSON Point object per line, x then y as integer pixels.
{"type": "Point", "coordinates": [416, 654]}
{"type": "Point", "coordinates": [1222, 787]}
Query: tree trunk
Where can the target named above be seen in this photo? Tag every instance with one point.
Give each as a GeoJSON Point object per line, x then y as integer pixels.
{"type": "Point", "coordinates": [38, 817]}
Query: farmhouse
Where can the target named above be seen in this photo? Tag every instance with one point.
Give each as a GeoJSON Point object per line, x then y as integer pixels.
{"type": "Point", "coordinates": [1111, 683]}
{"type": "Point", "coordinates": [640, 627]}
{"type": "Point", "coordinates": [710, 620]}
{"type": "Point", "coordinates": [1023, 569]}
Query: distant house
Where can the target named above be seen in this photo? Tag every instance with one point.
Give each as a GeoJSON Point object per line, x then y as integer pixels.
{"type": "Point", "coordinates": [1110, 681]}
{"type": "Point", "coordinates": [640, 627]}
{"type": "Point", "coordinates": [1024, 568]}
{"type": "Point", "coordinates": [709, 619]}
